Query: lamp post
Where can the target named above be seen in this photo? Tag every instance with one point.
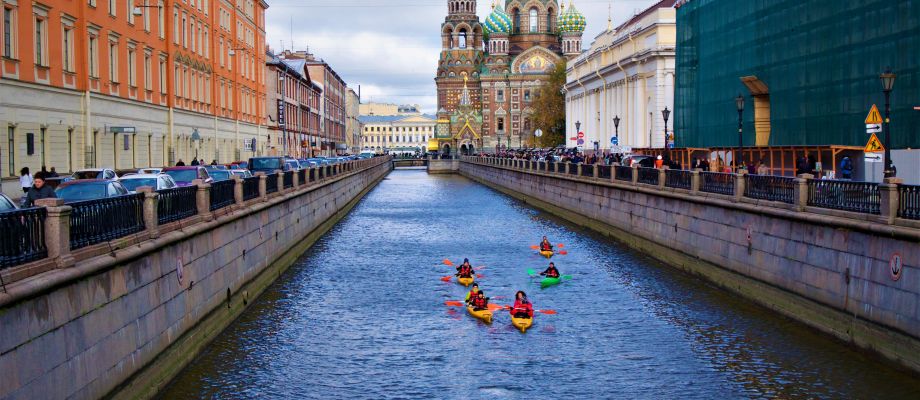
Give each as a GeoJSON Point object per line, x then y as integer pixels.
{"type": "Point", "coordinates": [739, 103]}
{"type": "Point", "coordinates": [577, 131]}
{"type": "Point", "coordinates": [666, 114]}
{"type": "Point", "coordinates": [887, 84]}
{"type": "Point", "coordinates": [616, 128]}
{"type": "Point", "coordinates": [196, 137]}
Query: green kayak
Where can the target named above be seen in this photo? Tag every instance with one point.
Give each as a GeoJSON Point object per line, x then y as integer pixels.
{"type": "Point", "coordinates": [547, 282]}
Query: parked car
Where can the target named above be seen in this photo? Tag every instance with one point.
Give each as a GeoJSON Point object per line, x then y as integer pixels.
{"type": "Point", "coordinates": [150, 170]}
{"type": "Point", "coordinates": [642, 160]}
{"type": "Point", "coordinates": [304, 163]}
{"type": "Point", "coordinates": [320, 161]}
{"type": "Point", "coordinates": [242, 173]}
{"type": "Point", "coordinates": [292, 165]}
{"type": "Point", "coordinates": [185, 175]}
{"type": "Point", "coordinates": [95, 173]}
{"type": "Point", "coordinates": [219, 174]}
{"type": "Point", "coordinates": [89, 189]}
{"type": "Point", "coordinates": [267, 165]}
{"type": "Point", "coordinates": [6, 204]}
{"type": "Point", "coordinates": [156, 181]}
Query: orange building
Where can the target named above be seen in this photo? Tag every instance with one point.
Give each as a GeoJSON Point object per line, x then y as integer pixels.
{"type": "Point", "coordinates": [130, 83]}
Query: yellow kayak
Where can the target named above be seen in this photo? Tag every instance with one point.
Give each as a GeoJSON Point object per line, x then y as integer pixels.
{"type": "Point", "coordinates": [484, 315]}
{"type": "Point", "coordinates": [522, 323]}
{"type": "Point", "coordinates": [547, 253]}
{"type": "Point", "coordinates": [465, 281]}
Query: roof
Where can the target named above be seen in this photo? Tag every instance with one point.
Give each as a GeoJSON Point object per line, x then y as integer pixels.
{"type": "Point", "coordinates": [140, 176]}
{"type": "Point", "coordinates": [379, 119]}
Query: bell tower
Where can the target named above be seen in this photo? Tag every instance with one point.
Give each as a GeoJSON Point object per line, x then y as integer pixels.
{"type": "Point", "coordinates": [461, 54]}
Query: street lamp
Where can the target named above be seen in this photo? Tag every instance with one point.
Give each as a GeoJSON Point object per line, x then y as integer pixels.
{"type": "Point", "coordinates": [616, 127]}
{"type": "Point", "coordinates": [196, 137]}
{"type": "Point", "coordinates": [577, 131]}
{"type": "Point", "coordinates": [887, 84]}
{"type": "Point", "coordinates": [665, 114]}
{"type": "Point", "coordinates": [739, 103]}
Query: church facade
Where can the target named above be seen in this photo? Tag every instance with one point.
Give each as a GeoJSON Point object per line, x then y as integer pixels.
{"type": "Point", "coordinates": [489, 72]}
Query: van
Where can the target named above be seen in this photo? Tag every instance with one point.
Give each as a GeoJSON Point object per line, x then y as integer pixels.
{"type": "Point", "coordinates": [267, 165]}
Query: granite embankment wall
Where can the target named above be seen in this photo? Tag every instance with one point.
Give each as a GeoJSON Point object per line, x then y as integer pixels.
{"type": "Point", "coordinates": [123, 323]}
{"type": "Point", "coordinates": [830, 271]}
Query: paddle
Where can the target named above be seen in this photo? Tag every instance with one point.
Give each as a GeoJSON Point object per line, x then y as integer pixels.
{"type": "Point", "coordinates": [453, 303]}
{"type": "Point", "coordinates": [446, 279]}
{"type": "Point", "coordinates": [560, 245]}
{"type": "Point", "coordinates": [563, 252]}
{"type": "Point", "coordinates": [532, 273]}
{"type": "Point", "coordinates": [448, 262]}
{"type": "Point", "coordinates": [480, 268]}
{"type": "Point", "coordinates": [547, 312]}
{"type": "Point", "coordinates": [535, 247]}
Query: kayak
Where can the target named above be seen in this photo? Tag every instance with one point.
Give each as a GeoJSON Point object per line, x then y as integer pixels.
{"type": "Point", "coordinates": [483, 315]}
{"type": "Point", "coordinates": [465, 281]}
{"type": "Point", "coordinates": [546, 253]}
{"type": "Point", "coordinates": [547, 282]}
{"type": "Point", "coordinates": [521, 323]}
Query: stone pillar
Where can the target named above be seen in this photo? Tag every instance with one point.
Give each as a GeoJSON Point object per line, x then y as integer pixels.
{"type": "Point", "coordinates": [296, 180]}
{"type": "Point", "coordinates": [151, 220]}
{"type": "Point", "coordinates": [203, 199]}
{"type": "Point", "coordinates": [280, 180]}
{"type": "Point", "coordinates": [739, 184]}
{"type": "Point", "coordinates": [596, 171]}
{"type": "Point", "coordinates": [57, 231]}
{"type": "Point", "coordinates": [695, 180]}
{"type": "Point", "coordinates": [237, 190]}
{"type": "Point", "coordinates": [578, 168]}
{"type": "Point", "coordinates": [801, 191]}
{"type": "Point", "coordinates": [890, 199]}
{"type": "Point", "coordinates": [662, 177]}
{"type": "Point", "coordinates": [635, 174]}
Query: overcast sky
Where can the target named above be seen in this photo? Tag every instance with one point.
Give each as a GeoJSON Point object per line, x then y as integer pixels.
{"type": "Point", "coordinates": [391, 47]}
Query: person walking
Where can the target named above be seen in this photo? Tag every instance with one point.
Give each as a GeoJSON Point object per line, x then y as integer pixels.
{"type": "Point", "coordinates": [180, 163]}
{"type": "Point", "coordinates": [25, 179]}
{"type": "Point", "coordinates": [38, 191]}
{"type": "Point", "coordinates": [195, 161]}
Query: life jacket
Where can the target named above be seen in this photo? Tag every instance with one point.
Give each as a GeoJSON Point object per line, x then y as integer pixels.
{"type": "Point", "coordinates": [552, 273]}
{"type": "Point", "coordinates": [466, 270]}
{"type": "Point", "coordinates": [522, 307]}
{"type": "Point", "coordinates": [479, 302]}
{"type": "Point", "coordinates": [471, 295]}
{"type": "Point", "coordinates": [546, 246]}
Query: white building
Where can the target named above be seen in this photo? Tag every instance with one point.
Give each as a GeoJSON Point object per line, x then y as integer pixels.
{"type": "Point", "coordinates": [628, 73]}
{"type": "Point", "coordinates": [397, 134]}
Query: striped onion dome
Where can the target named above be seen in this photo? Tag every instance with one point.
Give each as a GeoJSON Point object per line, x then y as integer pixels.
{"type": "Point", "coordinates": [571, 20]}
{"type": "Point", "coordinates": [498, 21]}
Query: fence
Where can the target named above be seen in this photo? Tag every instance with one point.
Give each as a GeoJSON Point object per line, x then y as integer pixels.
{"type": "Point", "coordinates": [222, 194]}
{"type": "Point", "coordinates": [623, 173]}
{"type": "Point", "coordinates": [176, 204]}
{"type": "Point", "coordinates": [23, 236]}
{"type": "Point", "coordinates": [288, 179]}
{"type": "Point", "coordinates": [603, 172]}
{"type": "Point", "coordinates": [862, 197]}
{"type": "Point", "coordinates": [717, 182]}
{"type": "Point", "coordinates": [302, 176]}
{"type": "Point", "coordinates": [910, 201]}
{"type": "Point", "coordinates": [587, 170]}
{"type": "Point", "coordinates": [271, 183]}
{"type": "Point", "coordinates": [768, 187]}
{"type": "Point", "coordinates": [648, 176]}
{"type": "Point", "coordinates": [102, 220]}
{"type": "Point", "coordinates": [250, 188]}
{"type": "Point", "coordinates": [677, 178]}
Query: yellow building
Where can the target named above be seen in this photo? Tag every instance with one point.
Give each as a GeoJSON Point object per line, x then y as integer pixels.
{"type": "Point", "coordinates": [397, 134]}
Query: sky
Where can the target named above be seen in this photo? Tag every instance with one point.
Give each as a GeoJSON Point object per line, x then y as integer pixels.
{"type": "Point", "coordinates": [391, 47]}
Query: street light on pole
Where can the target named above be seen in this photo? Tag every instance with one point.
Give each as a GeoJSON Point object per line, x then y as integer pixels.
{"type": "Point", "coordinates": [577, 131]}
{"type": "Point", "coordinates": [616, 128]}
{"type": "Point", "coordinates": [739, 103]}
{"type": "Point", "coordinates": [666, 114]}
{"type": "Point", "coordinates": [887, 84]}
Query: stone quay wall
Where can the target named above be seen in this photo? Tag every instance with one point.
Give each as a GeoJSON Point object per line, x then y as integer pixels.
{"type": "Point", "coordinates": [829, 269]}
{"type": "Point", "coordinates": [123, 322]}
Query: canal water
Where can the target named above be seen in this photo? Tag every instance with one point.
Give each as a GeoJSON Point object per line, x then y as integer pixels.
{"type": "Point", "coordinates": [361, 315]}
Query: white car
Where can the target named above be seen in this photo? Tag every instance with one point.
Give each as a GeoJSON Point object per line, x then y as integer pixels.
{"type": "Point", "coordinates": [94, 173]}
{"type": "Point", "coordinates": [150, 170]}
{"type": "Point", "coordinates": [156, 181]}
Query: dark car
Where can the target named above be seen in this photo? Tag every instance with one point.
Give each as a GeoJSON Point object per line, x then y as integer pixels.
{"type": "Point", "coordinates": [185, 175]}
{"type": "Point", "coordinates": [267, 165]}
{"type": "Point", "coordinates": [89, 189]}
{"type": "Point", "coordinates": [219, 174]}
{"type": "Point", "coordinates": [6, 204]}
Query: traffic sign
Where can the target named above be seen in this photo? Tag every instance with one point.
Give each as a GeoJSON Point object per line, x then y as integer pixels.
{"type": "Point", "coordinates": [874, 116]}
{"type": "Point", "coordinates": [614, 140]}
{"type": "Point", "coordinates": [538, 133]}
{"type": "Point", "coordinates": [874, 145]}
{"type": "Point", "coordinates": [873, 128]}
{"type": "Point", "coordinates": [581, 135]}
{"type": "Point", "coordinates": [581, 142]}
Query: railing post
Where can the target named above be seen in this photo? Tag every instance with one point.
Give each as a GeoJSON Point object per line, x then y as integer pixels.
{"type": "Point", "coordinates": [695, 178]}
{"type": "Point", "coordinates": [578, 168]}
{"type": "Point", "coordinates": [801, 191]}
{"type": "Point", "coordinates": [595, 171]}
{"type": "Point", "coordinates": [237, 190]}
{"type": "Point", "coordinates": [280, 180]}
{"type": "Point", "coordinates": [296, 180]}
{"type": "Point", "coordinates": [662, 177]}
{"type": "Point", "coordinates": [203, 199]}
{"type": "Point", "coordinates": [151, 220]}
{"type": "Point", "coordinates": [739, 185]}
{"type": "Point", "coordinates": [57, 231]}
{"type": "Point", "coordinates": [263, 184]}
{"type": "Point", "coordinates": [890, 199]}
{"type": "Point", "coordinates": [635, 174]}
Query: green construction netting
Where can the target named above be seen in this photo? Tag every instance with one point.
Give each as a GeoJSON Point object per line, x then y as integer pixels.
{"type": "Point", "coordinates": [821, 60]}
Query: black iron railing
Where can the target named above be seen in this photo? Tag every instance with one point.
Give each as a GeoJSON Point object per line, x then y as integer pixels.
{"type": "Point", "coordinates": [23, 236]}
{"type": "Point", "coordinates": [302, 176]}
{"type": "Point", "coordinates": [571, 169]}
{"type": "Point", "coordinates": [648, 176]}
{"type": "Point", "coordinates": [102, 220]}
{"type": "Point", "coordinates": [288, 179]}
{"type": "Point", "coordinates": [769, 187]}
{"type": "Point", "coordinates": [541, 165]}
{"type": "Point", "coordinates": [312, 174]}
{"type": "Point", "coordinates": [861, 197]}
{"type": "Point", "coordinates": [222, 194]}
{"type": "Point", "coordinates": [623, 173]}
{"type": "Point", "coordinates": [603, 172]}
{"type": "Point", "coordinates": [677, 178]}
{"type": "Point", "coordinates": [176, 204]}
{"type": "Point", "coordinates": [250, 188]}
{"type": "Point", "coordinates": [587, 170]}
{"type": "Point", "coordinates": [328, 171]}
{"type": "Point", "coordinates": [717, 182]}
{"type": "Point", "coordinates": [271, 183]}
{"type": "Point", "coordinates": [910, 201]}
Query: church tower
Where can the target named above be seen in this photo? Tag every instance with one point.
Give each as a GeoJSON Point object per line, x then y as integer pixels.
{"type": "Point", "coordinates": [461, 54]}
{"type": "Point", "coordinates": [572, 27]}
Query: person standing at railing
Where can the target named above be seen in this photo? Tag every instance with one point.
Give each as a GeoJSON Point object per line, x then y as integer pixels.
{"type": "Point", "coordinates": [846, 169]}
{"type": "Point", "coordinates": [38, 191]}
{"type": "Point", "coordinates": [762, 169]}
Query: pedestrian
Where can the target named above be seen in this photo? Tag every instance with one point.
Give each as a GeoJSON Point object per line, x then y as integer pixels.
{"type": "Point", "coordinates": [659, 162]}
{"type": "Point", "coordinates": [812, 165]}
{"type": "Point", "coordinates": [38, 191]}
{"type": "Point", "coordinates": [53, 173]}
{"type": "Point", "coordinates": [25, 179]}
{"type": "Point", "coordinates": [213, 162]}
{"type": "Point", "coordinates": [762, 169]}
{"type": "Point", "coordinates": [801, 166]}
{"type": "Point", "coordinates": [180, 163]}
{"type": "Point", "coordinates": [195, 161]}
{"type": "Point", "coordinates": [846, 169]}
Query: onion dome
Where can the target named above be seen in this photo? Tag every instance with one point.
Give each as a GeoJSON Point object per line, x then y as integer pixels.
{"type": "Point", "coordinates": [498, 21]}
{"type": "Point", "coordinates": [571, 20]}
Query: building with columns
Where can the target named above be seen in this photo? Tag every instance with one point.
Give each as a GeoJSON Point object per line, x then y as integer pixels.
{"type": "Point", "coordinates": [496, 67]}
{"type": "Point", "coordinates": [628, 76]}
{"type": "Point", "coordinates": [402, 134]}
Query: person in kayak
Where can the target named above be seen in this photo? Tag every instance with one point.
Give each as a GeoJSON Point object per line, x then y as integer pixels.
{"type": "Point", "coordinates": [551, 272]}
{"type": "Point", "coordinates": [472, 294]}
{"type": "Point", "coordinates": [545, 245]}
{"type": "Point", "coordinates": [480, 302]}
{"type": "Point", "coordinates": [522, 307]}
{"type": "Point", "coordinates": [465, 270]}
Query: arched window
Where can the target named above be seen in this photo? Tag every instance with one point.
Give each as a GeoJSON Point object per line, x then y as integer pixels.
{"type": "Point", "coordinates": [461, 38]}
{"type": "Point", "coordinates": [550, 20]}
{"type": "Point", "coordinates": [517, 20]}
{"type": "Point", "coordinates": [534, 19]}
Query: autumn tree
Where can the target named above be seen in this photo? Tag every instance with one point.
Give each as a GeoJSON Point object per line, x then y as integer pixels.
{"type": "Point", "coordinates": [549, 109]}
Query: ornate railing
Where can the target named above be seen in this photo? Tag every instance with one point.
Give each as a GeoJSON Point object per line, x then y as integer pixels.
{"type": "Point", "coordinates": [717, 182]}
{"type": "Point", "coordinates": [603, 172]}
{"type": "Point", "coordinates": [910, 201]}
{"type": "Point", "coordinates": [587, 170]}
{"type": "Point", "coordinates": [571, 169]}
{"type": "Point", "coordinates": [623, 173]}
{"type": "Point", "coordinates": [23, 236]}
{"type": "Point", "coordinates": [102, 220]}
{"type": "Point", "coordinates": [302, 175]}
{"type": "Point", "coordinates": [312, 174]}
{"type": "Point", "coordinates": [677, 178]}
{"type": "Point", "coordinates": [271, 183]}
{"type": "Point", "coordinates": [250, 188]}
{"type": "Point", "coordinates": [541, 165]}
{"type": "Point", "coordinates": [769, 187]}
{"type": "Point", "coordinates": [861, 197]}
{"type": "Point", "coordinates": [176, 204]}
{"type": "Point", "coordinates": [648, 176]}
{"type": "Point", "coordinates": [222, 194]}
{"type": "Point", "coordinates": [288, 179]}
{"type": "Point", "coordinates": [328, 171]}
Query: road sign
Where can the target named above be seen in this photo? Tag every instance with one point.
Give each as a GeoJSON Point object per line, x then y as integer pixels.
{"type": "Point", "coordinates": [614, 140]}
{"type": "Point", "coordinates": [581, 135]}
{"type": "Point", "coordinates": [874, 116]}
{"type": "Point", "coordinates": [873, 158]}
{"type": "Point", "coordinates": [874, 145]}
{"type": "Point", "coordinates": [122, 129]}
{"type": "Point", "coordinates": [873, 128]}
{"type": "Point", "coordinates": [581, 142]}
{"type": "Point", "coordinates": [538, 133]}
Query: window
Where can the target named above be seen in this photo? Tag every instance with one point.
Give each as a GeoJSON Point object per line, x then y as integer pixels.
{"type": "Point", "coordinates": [113, 62]}
{"type": "Point", "coordinates": [205, 44]}
{"type": "Point", "coordinates": [9, 32]}
{"type": "Point", "coordinates": [11, 133]}
{"type": "Point", "coordinates": [533, 19]}
{"type": "Point", "coordinates": [501, 124]}
{"type": "Point", "coordinates": [184, 35]}
{"type": "Point", "coordinates": [177, 81]}
{"type": "Point", "coordinates": [148, 80]}
{"type": "Point", "coordinates": [162, 76]}
{"type": "Point", "coordinates": [516, 20]}
{"type": "Point", "coordinates": [132, 67]}
{"type": "Point", "coordinates": [500, 95]}
{"type": "Point", "coordinates": [67, 48]}
{"type": "Point", "coordinates": [112, 5]}
{"type": "Point", "coordinates": [191, 28]}
{"type": "Point", "coordinates": [220, 50]}
{"type": "Point", "coordinates": [462, 39]}
{"type": "Point", "coordinates": [161, 28]}
{"type": "Point", "coordinates": [526, 95]}
{"type": "Point", "coordinates": [93, 56]}
{"type": "Point", "coordinates": [41, 51]}
{"type": "Point", "coordinates": [176, 26]}
{"type": "Point", "coordinates": [146, 11]}
{"type": "Point", "coordinates": [130, 12]}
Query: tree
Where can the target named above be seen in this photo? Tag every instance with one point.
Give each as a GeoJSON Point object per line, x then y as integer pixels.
{"type": "Point", "coordinates": [549, 109]}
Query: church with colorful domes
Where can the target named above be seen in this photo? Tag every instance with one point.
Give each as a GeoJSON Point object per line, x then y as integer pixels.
{"type": "Point", "coordinates": [489, 71]}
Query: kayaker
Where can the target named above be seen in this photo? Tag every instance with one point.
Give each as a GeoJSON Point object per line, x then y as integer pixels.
{"type": "Point", "coordinates": [465, 270]}
{"type": "Point", "coordinates": [545, 245]}
{"type": "Point", "coordinates": [522, 307]}
{"type": "Point", "coordinates": [472, 294]}
{"type": "Point", "coordinates": [551, 272]}
{"type": "Point", "coordinates": [480, 302]}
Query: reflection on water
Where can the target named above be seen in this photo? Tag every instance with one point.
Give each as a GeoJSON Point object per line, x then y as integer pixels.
{"type": "Point", "coordinates": [361, 315]}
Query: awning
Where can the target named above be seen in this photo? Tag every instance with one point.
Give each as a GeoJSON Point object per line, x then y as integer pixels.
{"type": "Point", "coordinates": [433, 145]}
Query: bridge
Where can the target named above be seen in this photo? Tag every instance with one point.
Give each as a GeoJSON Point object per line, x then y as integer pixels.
{"type": "Point", "coordinates": [410, 163]}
